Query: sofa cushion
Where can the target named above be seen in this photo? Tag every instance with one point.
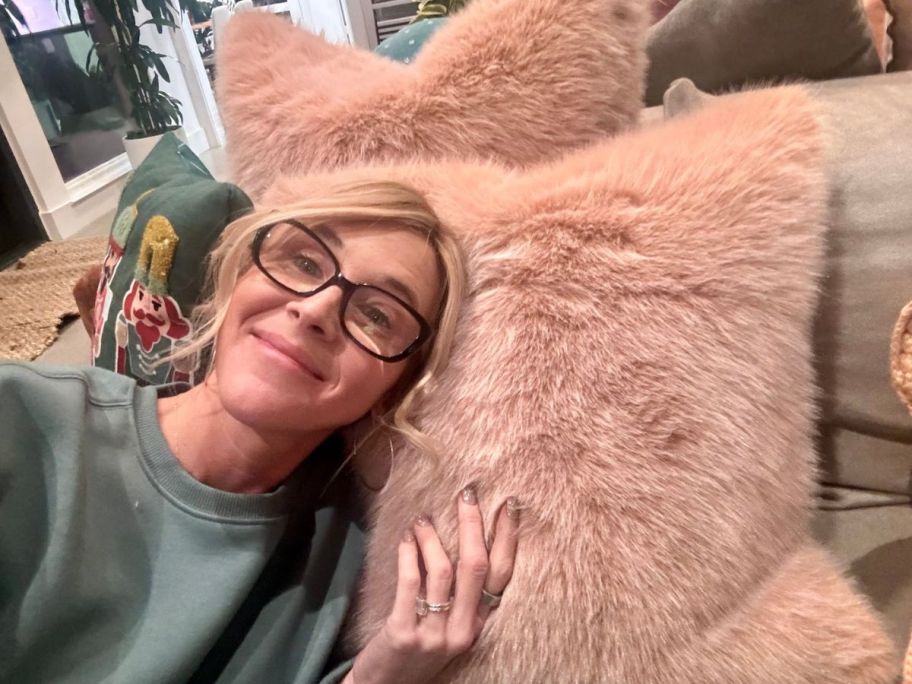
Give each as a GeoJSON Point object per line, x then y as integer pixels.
{"type": "Point", "coordinates": [169, 215]}
{"type": "Point", "coordinates": [721, 43]}
{"type": "Point", "coordinates": [865, 431]}
{"type": "Point", "coordinates": [481, 87]}
{"type": "Point", "coordinates": [633, 361]}
{"type": "Point", "coordinates": [874, 541]}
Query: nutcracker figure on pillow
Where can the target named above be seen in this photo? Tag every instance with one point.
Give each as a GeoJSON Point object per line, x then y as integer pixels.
{"type": "Point", "coordinates": [150, 322]}
{"type": "Point", "coordinates": [116, 243]}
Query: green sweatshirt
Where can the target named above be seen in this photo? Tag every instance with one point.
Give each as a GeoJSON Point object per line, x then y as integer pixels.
{"type": "Point", "coordinates": [117, 566]}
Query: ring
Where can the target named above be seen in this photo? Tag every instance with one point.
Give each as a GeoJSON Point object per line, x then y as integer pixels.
{"type": "Point", "coordinates": [422, 607]}
{"type": "Point", "coordinates": [489, 599]}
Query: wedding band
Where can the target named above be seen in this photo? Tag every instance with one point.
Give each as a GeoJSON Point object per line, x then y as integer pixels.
{"type": "Point", "coordinates": [422, 607]}
{"type": "Point", "coordinates": [489, 599]}
{"type": "Point", "coordinates": [440, 607]}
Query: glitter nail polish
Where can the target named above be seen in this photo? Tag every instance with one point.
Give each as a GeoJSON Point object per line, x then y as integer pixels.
{"type": "Point", "coordinates": [513, 508]}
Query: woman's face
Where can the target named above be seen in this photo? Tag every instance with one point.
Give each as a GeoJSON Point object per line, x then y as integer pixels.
{"type": "Point", "coordinates": [283, 362]}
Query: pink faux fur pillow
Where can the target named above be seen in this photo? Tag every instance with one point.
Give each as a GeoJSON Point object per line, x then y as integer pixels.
{"type": "Point", "coordinates": [512, 80]}
{"type": "Point", "coordinates": [634, 364]}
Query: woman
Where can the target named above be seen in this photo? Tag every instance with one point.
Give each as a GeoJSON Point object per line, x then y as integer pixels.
{"type": "Point", "coordinates": [205, 534]}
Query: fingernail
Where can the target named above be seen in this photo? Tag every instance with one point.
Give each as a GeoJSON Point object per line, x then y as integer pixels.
{"type": "Point", "coordinates": [469, 495]}
{"type": "Point", "coordinates": [408, 537]}
{"type": "Point", "coordinates": [424, 520]}
{"type": "Point", "coordinates": [513, 508]}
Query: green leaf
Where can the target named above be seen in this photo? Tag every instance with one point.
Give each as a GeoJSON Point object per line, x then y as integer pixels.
{"type": "Point", "coordinates": [160, 66]}
{"type": "Point", "coordinates": [69, 5]}
{"type": "Point", "coordinates": [171, 106]}
{"type": "Point", "coordinates": [160, 23]}
{"type": "Point", "coordinates": [92, 51]}
{"type": "Point", "coordinates": [162, 9]}
{"type": "Point", "coordinates": [193, 8]}
{"type": "Point", "coordinates": [66, 5]}
{"type": "Point", "coordinates": [80, 12]}
{"type": "Point", "coordinates": [142, 60]}
{"type": "Point", "coordinates": [106, 11]}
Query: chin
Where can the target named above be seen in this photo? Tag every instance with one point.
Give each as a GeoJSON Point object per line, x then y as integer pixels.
{"type": "Point", "coordinates": [266, 406]}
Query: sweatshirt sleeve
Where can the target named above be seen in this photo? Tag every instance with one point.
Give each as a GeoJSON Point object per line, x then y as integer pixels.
{"type": "Point", "coordinates": [337, 674]}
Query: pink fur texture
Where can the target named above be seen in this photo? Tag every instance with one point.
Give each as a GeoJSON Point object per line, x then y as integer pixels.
{"type": "Point", "coordinates": [633, 363]}
{"type": "Point", "coordinates": [512, 80]}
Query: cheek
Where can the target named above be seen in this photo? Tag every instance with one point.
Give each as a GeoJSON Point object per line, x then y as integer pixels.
{"type": "Point", "coordinates": [366, 380]}
{"type": "Point", "coordinates": [250, 298]}
{"type": "Point", "coordinates": [240, 308]}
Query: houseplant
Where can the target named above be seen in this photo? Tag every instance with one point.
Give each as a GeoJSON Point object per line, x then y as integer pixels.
{"type": "Point", "coordinates": [136, 68]}
{"type": "Point", "coordinates": [139, 67]}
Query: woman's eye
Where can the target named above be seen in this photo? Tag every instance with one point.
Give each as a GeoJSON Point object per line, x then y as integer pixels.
{"type": "Point", "coordinates": [376, 316]}
{"type": "Point", "coordinates": [307, 265]}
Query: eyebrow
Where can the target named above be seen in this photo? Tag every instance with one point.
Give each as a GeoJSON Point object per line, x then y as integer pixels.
{"type": "Point", "coordinates": [386, 282]}
{"type": "Point", "coordinates": [390, 283]}
{"type": "Point", "coordinates": [329, 235]}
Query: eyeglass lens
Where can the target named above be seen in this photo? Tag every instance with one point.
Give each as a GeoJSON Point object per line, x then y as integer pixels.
{"type": "Point", "coordinates": [374, 318]}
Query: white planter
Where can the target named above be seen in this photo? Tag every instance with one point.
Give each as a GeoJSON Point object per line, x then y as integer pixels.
{"type": "Point", "coordinates": [138, 148]}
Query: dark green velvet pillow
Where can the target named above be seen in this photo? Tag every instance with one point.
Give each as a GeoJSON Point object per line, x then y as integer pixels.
{"type": "Point", "coordinates": [168, 218]}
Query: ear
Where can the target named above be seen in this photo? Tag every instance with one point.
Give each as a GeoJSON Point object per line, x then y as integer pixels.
{"type": "Point", "coordinates": [514, 80]}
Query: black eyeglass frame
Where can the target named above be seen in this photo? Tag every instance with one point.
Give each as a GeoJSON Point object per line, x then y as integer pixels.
{"type": "Point", "coordinates": [348, 289]}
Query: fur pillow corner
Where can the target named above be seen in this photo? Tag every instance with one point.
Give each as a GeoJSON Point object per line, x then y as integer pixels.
{"type": "Point", "coordinates": [513, 80]}
{"type": "Point", "coordinates": [634, 363]}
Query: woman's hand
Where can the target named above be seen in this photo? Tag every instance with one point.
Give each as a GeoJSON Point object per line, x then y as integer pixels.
{"type": "Point", "coordinates": [434, 620]}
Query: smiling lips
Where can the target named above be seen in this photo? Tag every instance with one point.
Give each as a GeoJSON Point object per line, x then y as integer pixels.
{"type": "Point", "coordinates": [292, 351]}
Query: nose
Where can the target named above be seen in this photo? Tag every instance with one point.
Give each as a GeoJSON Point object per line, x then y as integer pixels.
{"type": "Point", "coordinates": [318, 313]}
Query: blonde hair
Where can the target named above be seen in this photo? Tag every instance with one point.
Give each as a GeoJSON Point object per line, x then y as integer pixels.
{"type": "Point", "coordinates": [374, 202]}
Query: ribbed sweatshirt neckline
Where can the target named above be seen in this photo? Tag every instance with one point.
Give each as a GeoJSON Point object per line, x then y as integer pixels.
{"type": "Point", "coordinates": [168, 475]}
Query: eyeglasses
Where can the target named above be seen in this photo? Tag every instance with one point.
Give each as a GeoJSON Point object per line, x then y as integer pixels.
{"type": "Point", "coordinates": [297, 260]}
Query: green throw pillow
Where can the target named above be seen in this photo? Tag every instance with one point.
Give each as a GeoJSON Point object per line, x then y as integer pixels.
{"type": "Point", "coordinates": [169, 216]}
{"type": "Point", "coordinates": [404, 45]}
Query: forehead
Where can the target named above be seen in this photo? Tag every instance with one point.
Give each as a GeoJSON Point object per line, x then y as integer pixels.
{"type": "Point", "coordinates": [388, 256]}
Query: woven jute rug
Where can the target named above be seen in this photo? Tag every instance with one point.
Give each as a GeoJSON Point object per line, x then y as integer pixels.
{"type": "Point", "coordinates": [36, 294]}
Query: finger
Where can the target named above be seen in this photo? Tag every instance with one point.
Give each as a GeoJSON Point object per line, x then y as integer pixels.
{"type": "Point", "coordinates": [408, 584]}
{"type": "Point", "coordinates": [471, 571]}
{"type": "Point", "coordinates": [439, 579]}
{"type": "Point", "coordinates": [503, 551]}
